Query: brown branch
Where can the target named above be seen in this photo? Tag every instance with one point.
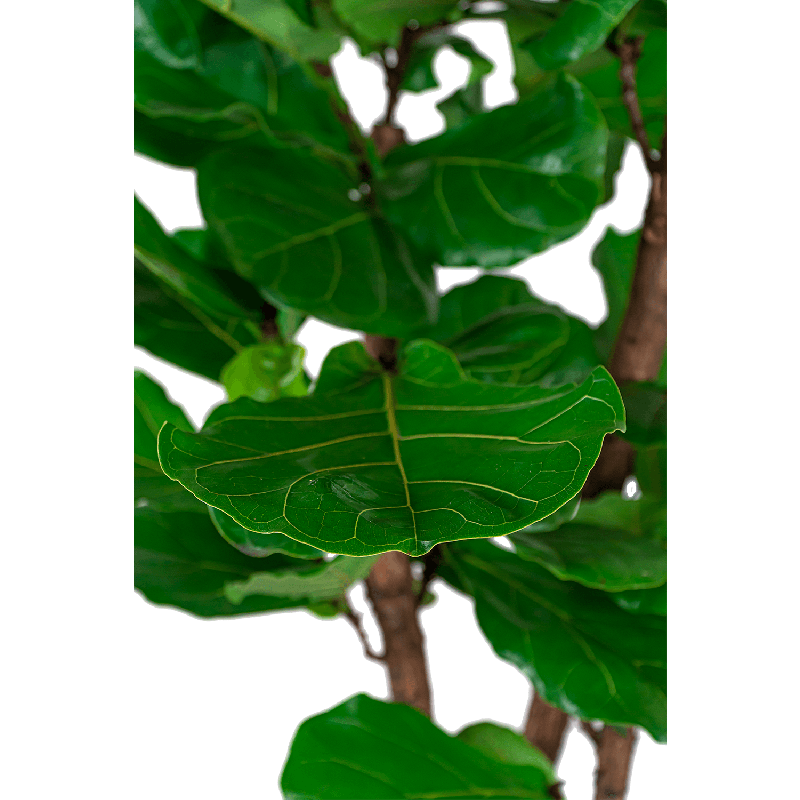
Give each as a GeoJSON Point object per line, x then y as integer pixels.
{"type": "Point", "coordinates": [545, 727]}
{"type": "Point", "coordinates": [629, 52]}
{"type": "Point", "coordinates": [383, 349]}
{"type": "Point", "coordinates": [430, 562]}
{"type": "Point", "coordinates": [593, 733]}
{"type": "Point", "coordinates": [614, 756]}
{"type": "Point", "coordinates": [390, 590]}
{"type": "Point", "coordinates": [269, 322]}
{"type": "Point", "coordinates": [355, 620]}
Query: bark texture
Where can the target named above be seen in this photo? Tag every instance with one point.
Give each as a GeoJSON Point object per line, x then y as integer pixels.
{"type": "Point", "coordinates": [614, 756]}
{"type": "Point", "coordinates": [545, 727]}
{"type": "Point", "coordinates": [391, 592]}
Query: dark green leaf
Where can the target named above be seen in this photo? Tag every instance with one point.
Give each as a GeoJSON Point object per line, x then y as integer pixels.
{"type": "Point", "coordinates": [505, 184]}
{"type": "Point", "coordinates": [181, 561]}
{"type": "Point", "coordinates": [256, 544]}
{"type": "Point", "coordinates": [416, 459]}
{"type": "Point", "coordinates": [582, 652]}
{"type": "Point", "coordinates": [265, 372]}
{"type": "Point", "coordinates": [365, 749]}
{"type": "Point", "coordinates": [419, 75]}
{"type": "Point", "coordinates": [581, 29]}
{"type": "Point", "coordinates": [304, 10]}
{"type": "Point", "coordinates": [502, 333]}
{"type": "Point", "coordinates": [645, 413]}
{"type": "Point", "coordinates": [152, 408]}
{"type": "Point", "coordinates": [643, 601]}
{"type": "Point", "coordinates": [462, 105]}
{"type": "Point", "coordinates": [613, 549]}
{"type": "Point", "coordinates": [171, 328]}
{"type": "Point", "coordinates": [382, 22]}
{"type": "Point", "coordinates": [291, 229]}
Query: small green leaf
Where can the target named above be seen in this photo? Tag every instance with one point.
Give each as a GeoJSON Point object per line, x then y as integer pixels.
{"type": "Point", "coordinates": [581, 29]}
{"type": "Point", "coordinates": [152, 408]}
{"type": "Point", "coordinates": [181, 561]}
{"type": "Point", "coordinates": [365, 749]}
{"type": "Point", "coordinates": [504, 185]}
{"type": "Point", "coordinates": [265, 372]}
{"type": "Point", "coordinates": [582, 652]}
{"type": "Point", "coordinates": [416, 459]}
{"type": "Point", "coordinates": [291, 228]}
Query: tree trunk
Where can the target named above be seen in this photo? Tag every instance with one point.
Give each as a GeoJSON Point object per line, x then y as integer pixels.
{"type": "Point", "coordinates": [545, 727]}
{"type": "Point", "coordinates": [614, 756]}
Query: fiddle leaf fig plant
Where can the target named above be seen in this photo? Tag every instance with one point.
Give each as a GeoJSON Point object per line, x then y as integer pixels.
{"type": "Point", "coordinates": [480, 437]}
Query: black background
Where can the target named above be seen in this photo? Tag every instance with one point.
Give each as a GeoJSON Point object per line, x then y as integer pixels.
{"type": "Point", "coordinates": [227, 695]}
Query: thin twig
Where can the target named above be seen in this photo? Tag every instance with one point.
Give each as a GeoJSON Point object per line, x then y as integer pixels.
{"type": "Point", "coordinates": [355, 620]}
{"type": "Point", "coordinates": [629, 52]}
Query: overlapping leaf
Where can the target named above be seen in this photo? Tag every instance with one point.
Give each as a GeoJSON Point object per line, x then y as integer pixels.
{"type": "Point", "coordinates": [583, 653]}
{"type": "Point", "coordinates": [581, 29]}
{"type": "Point", "coordinates": [152, 408]}
{"type": "Point", "coordinates": [365, 749]}
{"type": "Point", "coordinates": [182, 561]}
{"type": "Point", "coordinates": [646, 413]}
{"type": "Point", "coordinates": [265, 372]}
{"type": "Point", "coordinates": [505, 184]}
{"type": "Point", "coordinates": [203, 83]}
{"type": "Point", "coordinates": [374, 462]}
{"type": "Point", "coordinates": [502, 333]}
{"type": "Point", "coordinates": [612, 544]}
{"type": "Point", "coordinates": [291, 227]}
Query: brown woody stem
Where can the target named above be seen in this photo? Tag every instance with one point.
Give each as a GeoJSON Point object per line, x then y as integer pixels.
{"type": "Point", "coordinates": [355, 620]}
{"type": "Point", "coordinates": [614, 757]}
{"type": "Point", "coordinates": [545, 727]}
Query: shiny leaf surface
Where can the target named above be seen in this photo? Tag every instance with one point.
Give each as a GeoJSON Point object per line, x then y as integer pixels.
{"type": "Point", "coordinates": [581, 29]}
{"type": "Point", "coordinates": [182, 561]}
{"type": "Point", "coordinates": [265, 372]}
{"type": "Point", "coordinates": [505, 184]}
{"type": "Point", "coordinates": [290, 228]}
{"type": "Point", "coordinates": [501, 333]}
{"type": "Point", "coordinates": [365, 749]}
{"type": "Point", "coordinates": [582, 652]}
{"type": "Point", "coordinates": [152, 408]}
{"type": "Point", "coordinates": [373, 462]}
{"type": "Point", "coordinates": [600, 550]}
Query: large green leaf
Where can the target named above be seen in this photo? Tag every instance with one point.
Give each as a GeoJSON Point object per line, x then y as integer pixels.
{"type": "Point", "coordinates": [502, 333]}
{"type": "Point", "coordinates": [291, 228]}
{"type": "Point", "coordinates": [170, 327]}
{"type": "Point", "coordinates": [202, 83]}
{"type": "Point", "coordinates": [381, 21]}
{"type": "Point", "coordinates": [182, 561]}
{"type": "Point", "coordinates": [601, 547]}
{"type": "Point", "coordinates": [582, 652]}
{"type": "Point", "coordinates": [581, 29]}
{"type": "Point", "coordinates": [374, 462]}
{"type": "Point", "coordinates": [152, 408]}
{"type": "Point", "coordinates": [365, 749]}
{"type": "Point", "coordinates": [505, 184]}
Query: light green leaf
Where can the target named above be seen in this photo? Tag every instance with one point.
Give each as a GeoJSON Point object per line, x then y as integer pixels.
{"type": "Point", "coordinates": [152, 408]}
{"type": "Point", "coordinates": [381, 21]}
{"type": "Point", "coordinates": [501, 333]}
{"type": "Point", "coordinates": [582, 28]}
{"type": "Point", "coordinates": [258, 545]}
{"type": "Point", "coordinates": [505, 184]}
{"type": "Point", "coordinates": [265, 372]}
{"type": "Point", "coordinates": [290, 228]}
{"type": "Point", "coordinates": [611, 543]}
{"type": "Point", "coordinates": [373, 462]}
{"type": "Point", "coordinates": [366, 749]}
{"type": "Point", "coordinates": [170, 327]}
{"type": "Point", "coordinates": [582, 652]}
{"type": "Point", "coordinates": [181, 561]}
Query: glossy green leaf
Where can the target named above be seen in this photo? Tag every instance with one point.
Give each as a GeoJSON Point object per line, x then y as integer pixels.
{"type": "Point", "coordinates": [366, 749]}
{"type": "Point", "coordinates": [169, 327]}
{"type": "Point", "coordinates": [291, 228]}
{"type": "Point", "coordinates": [202, 83]}
{"type": "Point", "coordinates": [258, 545]}
{"type": "Point", "coordinates": [152, 408]}
{"type": "Point", "coordinates": [182, 561]}
{"type": "Point", "coordinates": [643, 601]}
{"type": "Point", "coordinates": [383, 21]}
{"type": "Point", "coordinates": [505, 184]}
{"type": "Point", "coordinates": [373, 462]}
{"type": "Point", "coordinates": [502, 333]}
{"type": "Point", "coordinates": [274, 21]}
{"type": "Point", "coordinates": [646, 414]}
{"type": "Point", "coordinates": [599, 72]}
{"type": "Point", "coordinates": [582, 28]}
{"type": "Point", "coordinates": [265, 372]}
{"type": "Point", "coordinates": [614, 257]}
{"type": "Point", "coordinates": [599, 551]}
{"type": "Point", "coordinates": [582, 652]}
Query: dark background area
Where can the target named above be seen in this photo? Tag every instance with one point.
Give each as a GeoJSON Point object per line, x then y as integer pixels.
{"type": "Point", "coordinates": [227, 689]}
